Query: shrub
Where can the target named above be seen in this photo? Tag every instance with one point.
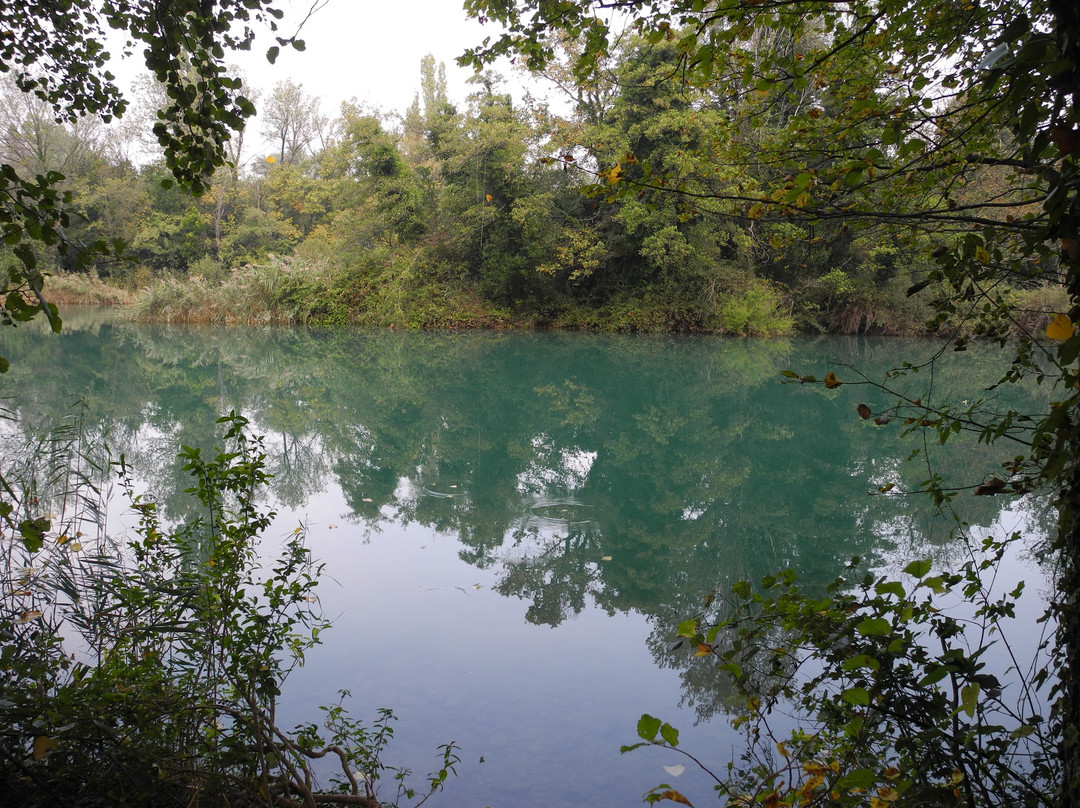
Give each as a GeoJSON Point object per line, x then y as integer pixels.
{"type": "Point", "coordinates": [755, 310]}
{"type": "Point", "coordinates": [168, 696]}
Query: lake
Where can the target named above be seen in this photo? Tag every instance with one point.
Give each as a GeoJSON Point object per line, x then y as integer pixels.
{"type": "Point", "coordinates": [513, 523]}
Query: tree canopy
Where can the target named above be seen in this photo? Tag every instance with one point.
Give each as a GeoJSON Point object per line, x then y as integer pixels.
{"type": "Point", "coordinates": [57, 52]}
{"type": "Point", "coordinates": [957, 121]}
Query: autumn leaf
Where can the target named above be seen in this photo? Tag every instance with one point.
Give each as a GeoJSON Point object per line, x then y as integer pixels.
{"type": "Point", "coordinates": [488, 197]}
{"type": "Point", "coordinates": [703, 650]}
{"type": "Point", "coordinates": [614, 174]}
{"type": "Point", "coordinates": [864, 411]}
{"type": "Point", "coordinates": [43, 744]}
{"type": "Point", "coordinates": [990, 487]}
{"type": "Point", "coordinates": [675, 796]}
{"type": "Point", "coordinates": [831, 382]}
{"type": "Point", "coordinates": [271, 159]}
{"type": "Point", "coordinates": [1060, 328]}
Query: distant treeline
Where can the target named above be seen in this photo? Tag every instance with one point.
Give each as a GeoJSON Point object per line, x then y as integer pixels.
{"type": "Point", "coordinates": [492, 215]}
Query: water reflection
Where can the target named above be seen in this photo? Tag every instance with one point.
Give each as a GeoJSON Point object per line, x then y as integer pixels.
{"type": "Point", "coordinates": [574, 475]}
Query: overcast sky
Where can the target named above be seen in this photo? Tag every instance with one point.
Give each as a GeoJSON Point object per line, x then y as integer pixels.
{"type": "Point", "coordinates": [370, 50]}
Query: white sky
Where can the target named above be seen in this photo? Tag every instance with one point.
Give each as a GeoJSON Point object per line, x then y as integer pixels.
{"type": "Point", "coordinates": [370, 50]}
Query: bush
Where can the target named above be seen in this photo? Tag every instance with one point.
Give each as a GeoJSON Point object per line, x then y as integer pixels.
{"type": "Point", "coordinates": [756, 310]}
{"type": "Point", "coordinates": [168, 696]}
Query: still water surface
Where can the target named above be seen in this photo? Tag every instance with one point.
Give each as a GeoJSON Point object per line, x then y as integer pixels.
{"type": "Point", "coordinates": [513, 523]}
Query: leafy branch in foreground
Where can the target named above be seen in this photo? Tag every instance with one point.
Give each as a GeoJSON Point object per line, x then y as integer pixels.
{"type": "Point", "coordinates": [168, 694]}
{"type": "Point", "coordinates": [895, 699]}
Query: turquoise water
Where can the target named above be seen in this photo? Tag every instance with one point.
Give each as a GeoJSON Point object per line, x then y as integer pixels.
{"type": "Point", "coordinates": [513, 523]}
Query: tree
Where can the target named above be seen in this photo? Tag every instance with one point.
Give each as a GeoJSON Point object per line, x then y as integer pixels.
{"type": "Point", "coordinates": [290, 119]}
{"type": "Point", "coordinates": [897, 114]}
{"type": "Point", "coordinates": [57, 54]}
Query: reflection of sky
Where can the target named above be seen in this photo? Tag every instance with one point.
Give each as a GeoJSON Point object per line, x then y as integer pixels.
{"type": "Point", "coordinates": [640, 495]}
{"type": "Point", "coordinates": [419, 630]}
{"type": "Point", "coordinates": [563, 468]}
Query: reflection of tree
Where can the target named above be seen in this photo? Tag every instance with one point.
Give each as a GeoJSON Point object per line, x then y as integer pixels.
{"type": "Point", "coordinates": [632, 473]}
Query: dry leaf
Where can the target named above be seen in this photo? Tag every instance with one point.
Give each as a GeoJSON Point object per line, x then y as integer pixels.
{"type": "Point", "coordinates": [1060, 328]}
{"type": "Point", "coordinates": [675, 796]}
{"type": "Point", "coordinates": [864, 411]}
{"type": "Point", "coordinates": [43, 744]}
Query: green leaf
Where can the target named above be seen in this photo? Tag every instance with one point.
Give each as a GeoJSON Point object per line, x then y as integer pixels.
{"type": "Point", "coordinates": [969, 698]}
{"type": "Point", "coordinates": [669, 734]}
{"type": "Point", "coordinates": [859, 696]}
{"type": "Point", "coordinates": [857, 778]}
{"type": "Point", "coordinates": [874, 627]}
{"type": "Point", "coordinates": [687, 628]}
{"type": "Point", "coordinates": [890, 588]}
{"type": "Point", "coordinates": [33, 532]}
{"type": "Point", "coordinates": [918, 569]}
{"type": "Point", "coordinates": [861, 661]}
{"type": "Point", "coordinates": [648, 727]}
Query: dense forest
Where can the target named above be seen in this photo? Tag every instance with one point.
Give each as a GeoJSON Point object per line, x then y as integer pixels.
{"type": "Point", "coordinates": [734, 166]}
{"type": "Point", "coordinates": [491, 214]}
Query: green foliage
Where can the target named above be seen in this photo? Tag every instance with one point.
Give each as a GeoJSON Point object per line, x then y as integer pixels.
{"type": "Point", "coordinates": [168, 695]}
{"type": "Point", "coordinates": [59, 57]}
{"type": "Point", "coordinates": [893, 696]}
{"type": "Point", "coordinates": [755, 311]}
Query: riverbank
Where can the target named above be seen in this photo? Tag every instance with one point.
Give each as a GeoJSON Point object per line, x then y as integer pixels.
{"type": "Point", "coordinates": [281, 292]}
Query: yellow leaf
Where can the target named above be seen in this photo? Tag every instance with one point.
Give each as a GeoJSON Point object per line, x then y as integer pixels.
{"type": "Point", "coordinates": [781, 747]}
{"type": "Point", "coordinates": [703, 650]}
{"type": "Point", "coordinates": [756, 212]}
{"type": "Point", "coordinates": [1060, 328]}
{"type": "Point", "coordinates": [488, 197]}
{"type": "Point", "coordinates": [957, 776]}
{"type": "Point", "coordinates": [675, 796]}
{"type": "Point", "coordinates": [271, 159]}
{"type": "Point", "coordinates": [888, 794]}
{"type": "Point", "coordinates": [606, 558]}
{"type": "Point", "coordinates": [892, 773]}
{"type": "Point", "coordinates": [26, 617]}
{"type": "Point", "coordinates": [811, 783]}
{"type": "Point", "coordinates": [42, 745]}
{"type": "Point", "coordinates": [615, 174]}
{"type": "Point", "coordinates": [982, 255]}
{"type": "Point", "coordinates": [831, 381]}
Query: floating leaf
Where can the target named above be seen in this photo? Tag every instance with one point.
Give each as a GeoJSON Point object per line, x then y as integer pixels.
{"type": "Point", "coordinates": [864, 411]}
{"type": "Point", "coordinates": [1060, 328]}
{"type": "Point", "coordinates": [675, 770]}
{"type": "Point", "coordinates": [606, 558]}
{"type": "Point", "coordinates": [831, 381]}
